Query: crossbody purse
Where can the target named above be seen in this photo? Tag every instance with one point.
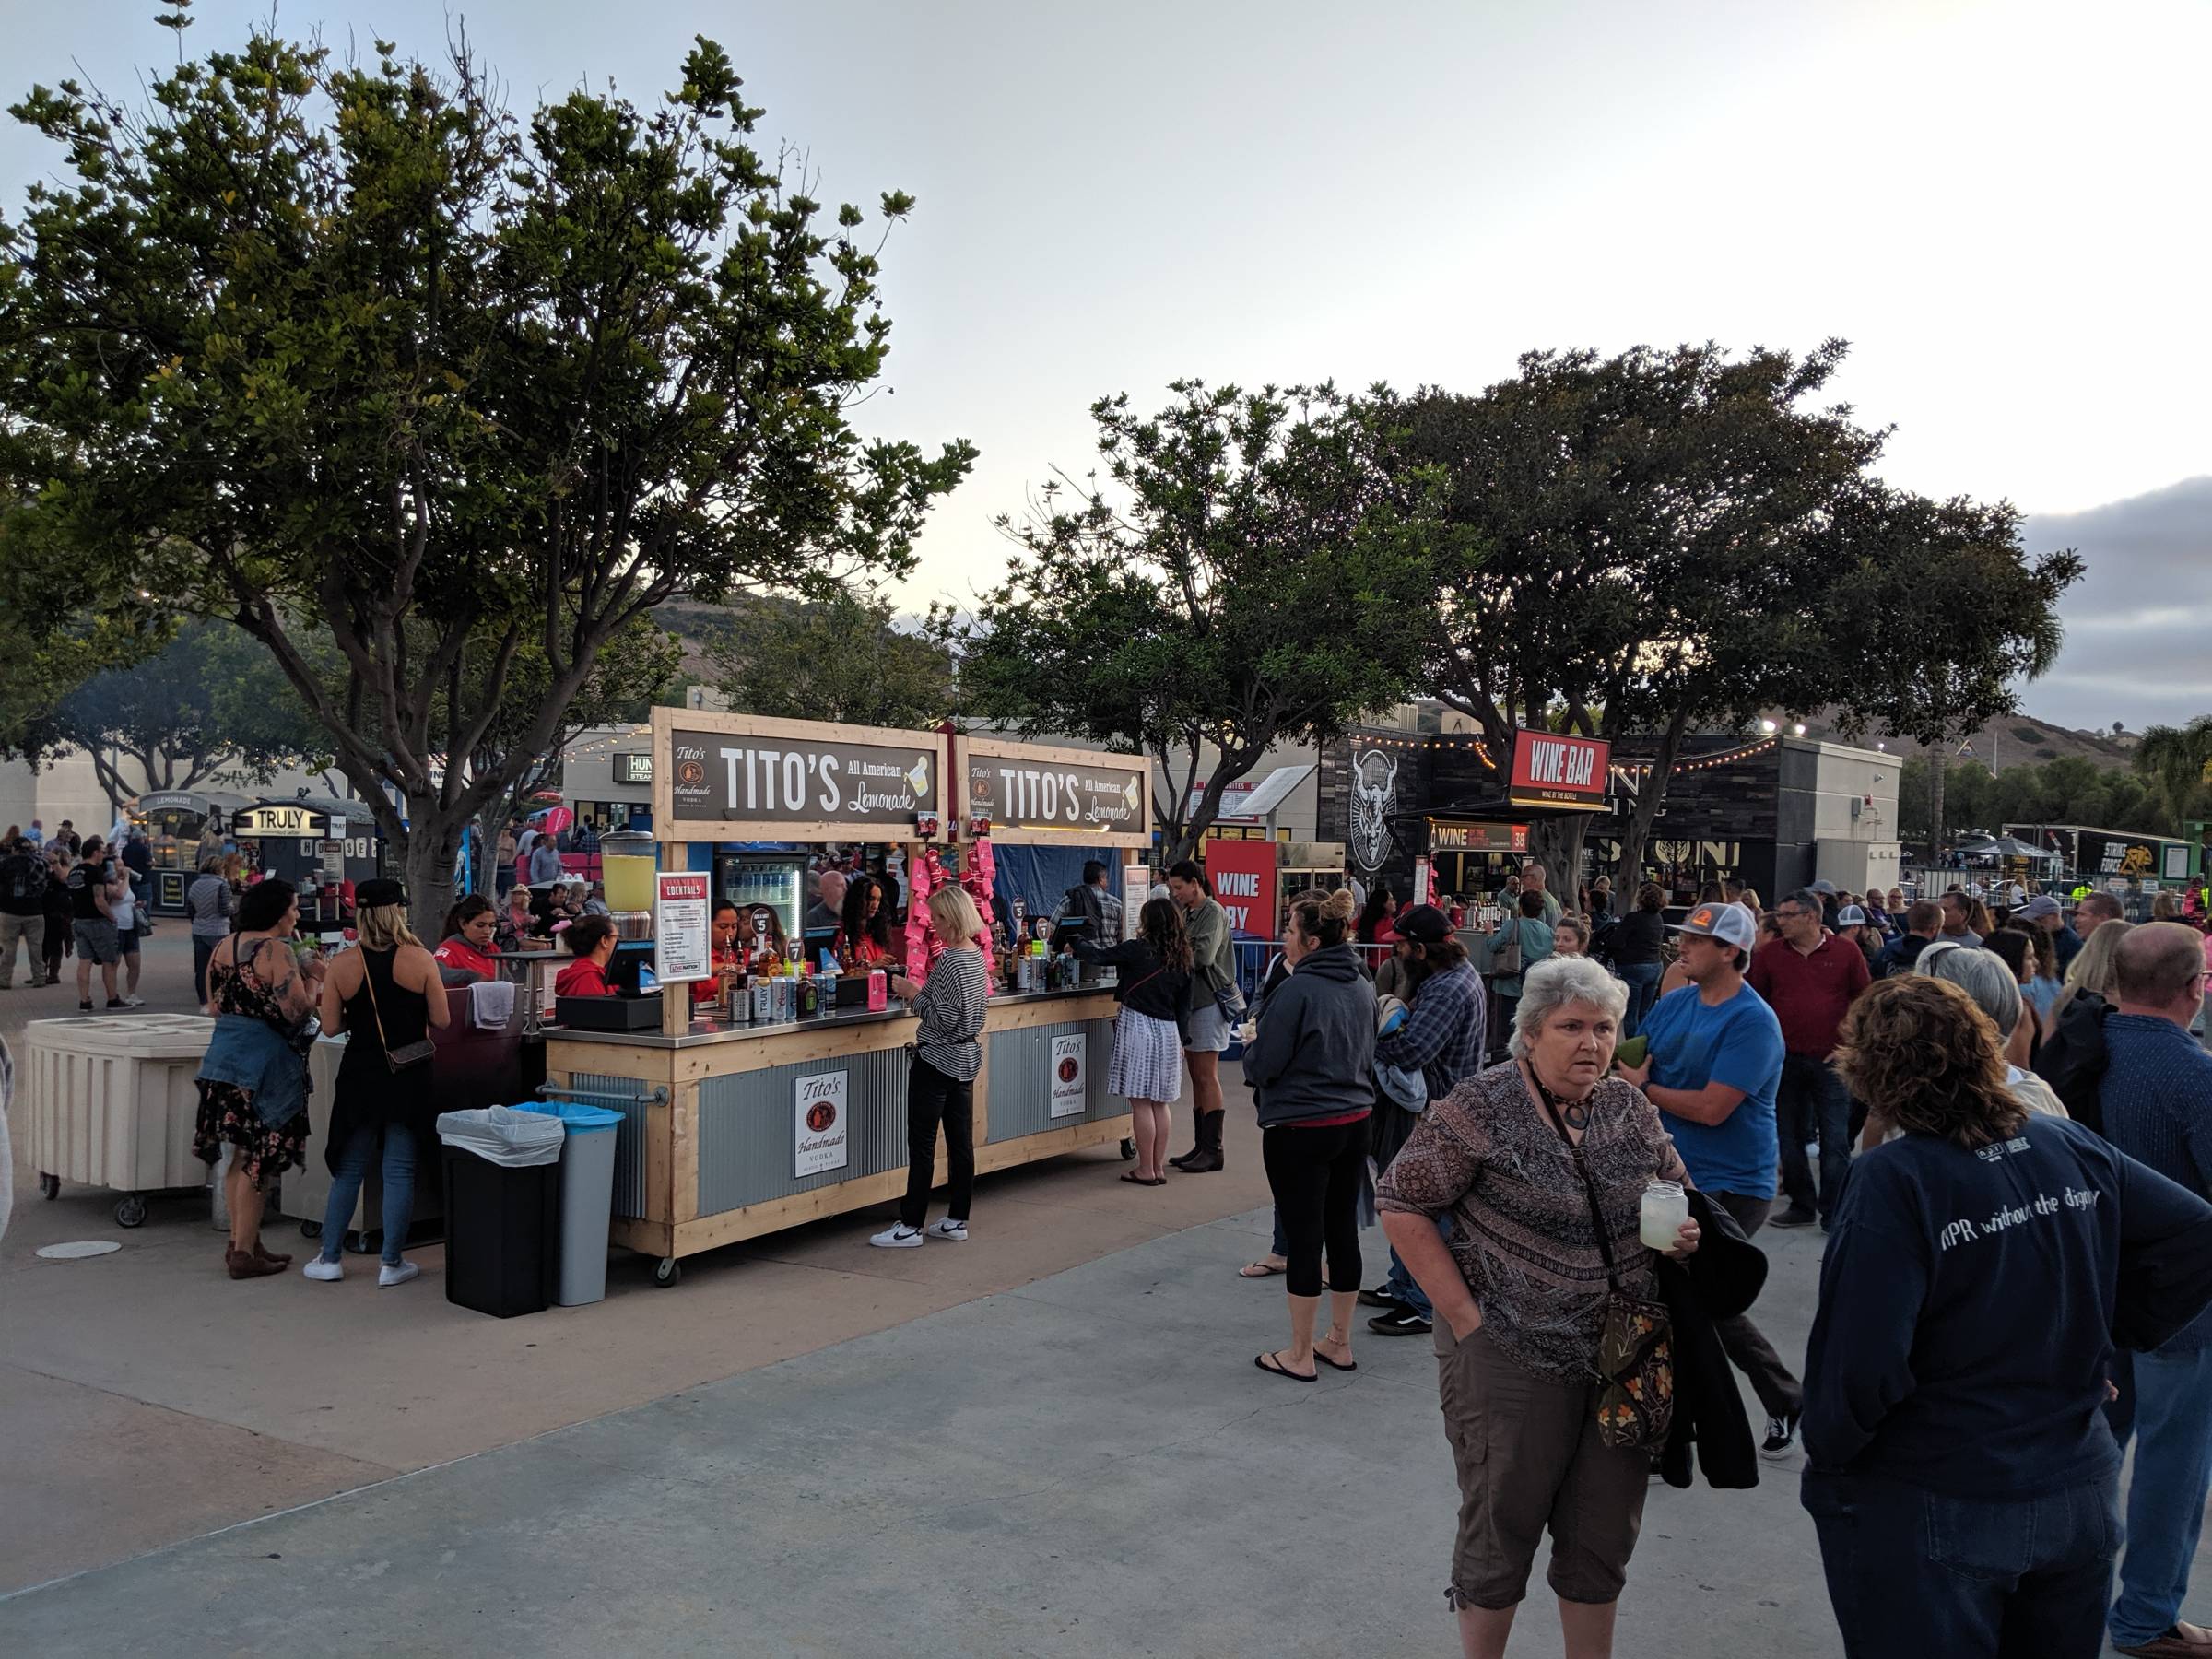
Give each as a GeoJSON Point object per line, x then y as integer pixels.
{"type": "Point", "coordinates": [409, 1054]}
{"type": "Point", "coordinates": [1635, 1348]}
{"type": "Point", "coordinates": [1506, 959]}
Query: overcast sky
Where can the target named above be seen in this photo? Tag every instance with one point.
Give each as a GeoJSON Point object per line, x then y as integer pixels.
{"type": "Point", "coordinates": [2000, 204]}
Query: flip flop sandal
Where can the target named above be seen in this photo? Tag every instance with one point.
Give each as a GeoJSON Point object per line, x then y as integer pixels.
{"type": "Point", "coordinates": [1332, 1364]}
{"type": "Point", "coordinates": [1133, 1178]}
{"type": "Point", "coordinates": [1263, 1271]}
{"type": "Point", "coordinates": [1267, 1363]}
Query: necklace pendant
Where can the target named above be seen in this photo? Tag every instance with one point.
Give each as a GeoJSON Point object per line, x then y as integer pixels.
{"type": "Point", "coordinates": [1577, 1115]}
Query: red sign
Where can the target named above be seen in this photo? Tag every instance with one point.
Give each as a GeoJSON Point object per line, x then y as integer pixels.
{"type": "Point", "coordinates": [1243, 872]}
{"type": "Point", "coordinates": [1553, 769]}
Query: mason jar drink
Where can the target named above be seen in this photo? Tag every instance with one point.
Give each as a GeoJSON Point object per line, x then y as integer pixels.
{"type": "Point", "coordinates": [1665, 1207]}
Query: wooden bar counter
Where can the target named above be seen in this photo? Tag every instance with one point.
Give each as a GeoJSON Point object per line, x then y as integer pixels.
{"type": "Point", "coordinates": [732, 1131]}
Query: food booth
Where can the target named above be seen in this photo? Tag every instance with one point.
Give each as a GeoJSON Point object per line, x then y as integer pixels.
{"type": "Point", "coordinates": [737, 1125]}
{"type": "Point", "coordinates": [320, 845]}
{"type": "Point", "coordinates": [173, 820]}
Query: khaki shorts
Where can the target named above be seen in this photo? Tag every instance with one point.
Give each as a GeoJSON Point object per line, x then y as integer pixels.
{"type": "Point", "coordinates": [1528, 1455]}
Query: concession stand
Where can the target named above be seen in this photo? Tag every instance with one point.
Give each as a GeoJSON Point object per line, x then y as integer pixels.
{"type": "Point", "coordinates": [750, 1112]}
{"type": "Point", "coordinates": [173, 820]}
{"type": "Point", "coordinates": [320, 846]}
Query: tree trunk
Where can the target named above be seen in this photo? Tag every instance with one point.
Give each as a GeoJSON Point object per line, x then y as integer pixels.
{"type": "Point", "coordinates": [1650, 801]}
{"type": "Point", "coordinates": [1937, 766]}
{"type": "Point", "coordinates": [1556, 844]}
{"type": "Point", "coordinates": [427, 860]}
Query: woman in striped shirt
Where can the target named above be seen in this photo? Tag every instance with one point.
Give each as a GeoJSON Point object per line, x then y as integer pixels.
{"type": "Point", "coordinates": [941, 1085]}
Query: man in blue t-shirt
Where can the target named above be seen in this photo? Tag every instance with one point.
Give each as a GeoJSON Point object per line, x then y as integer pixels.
{"type": "Point", "coordinates": [1713, 1068]}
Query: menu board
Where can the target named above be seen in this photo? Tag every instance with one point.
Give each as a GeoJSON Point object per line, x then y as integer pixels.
{"type": "Point", "coordinates": [682, 941]}
{"type": "Point", "coordinates": [1033, 793]}
{"type": "Point", "coordinates": [737, 777]}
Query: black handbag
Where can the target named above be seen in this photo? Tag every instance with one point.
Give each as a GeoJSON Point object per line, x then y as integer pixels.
{"type": "Point", "coordinates": [408, 1054]}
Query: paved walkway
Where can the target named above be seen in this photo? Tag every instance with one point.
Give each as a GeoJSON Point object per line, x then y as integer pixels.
{"type": "Point", "coordinates": [1087, 1464]}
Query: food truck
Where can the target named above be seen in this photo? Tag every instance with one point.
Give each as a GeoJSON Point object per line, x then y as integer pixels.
{"type": "Point", "coordinates": [320, 845]}
{"type": "Point", "coordinates": [765, 1107]}
{"type": "Point", "coordinates": [174, 821]}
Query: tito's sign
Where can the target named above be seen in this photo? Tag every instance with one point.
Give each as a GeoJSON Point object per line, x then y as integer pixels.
{"type": "Point", "coordinates": [1553, 769]}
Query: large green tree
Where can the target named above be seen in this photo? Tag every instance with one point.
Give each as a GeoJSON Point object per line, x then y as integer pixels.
{"type": "Point", "coordinates": [2069, 790]}
{"type": "Point", "coordinates": [348, 346]}
{"type": "Point", "coordinates": [1662, 542]}
{"type": "Point", "coordinates": [211, 701]}
{"type": "Point", "coordinates": [845, 656]}
{"type": "Point", "coordinates": [2178, 760]}
{"type": "Point", "coordinates": [1248, 571]}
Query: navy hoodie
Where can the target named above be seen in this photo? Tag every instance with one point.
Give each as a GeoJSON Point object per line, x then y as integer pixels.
{"type": "Point", "coordinates": [1970, 1303]}
{"type": "Point", "coordinates": [1314, 1054]}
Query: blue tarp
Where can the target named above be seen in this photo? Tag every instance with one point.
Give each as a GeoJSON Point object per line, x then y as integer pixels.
{"type": "Point", "coordinates": [1039, 876]}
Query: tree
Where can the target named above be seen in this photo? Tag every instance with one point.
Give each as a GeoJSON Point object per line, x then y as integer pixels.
{"type": "Point", "coordinates": [841, 657]}
{"type": "Point", "coordinates": [2070, 789]}
{"type": "Point", "coordinates": [212, 702]}
{"type": "Point", "coordinates": [1250, 572]}
{"type": "Point", "coordinates": [2178, 760]}
{"type": "Point", "coordinates": [64, 618]}
{"type": "Point", "coordinates": [352, 343]}
{"type": "Point", "coordinates": [1660, 542]}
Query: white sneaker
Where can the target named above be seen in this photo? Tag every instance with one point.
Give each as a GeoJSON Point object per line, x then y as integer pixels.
{"type": "Point", "coordinates": [949, 1228]}
{"type": "Point", "coordinates": [899, 1236]}
{"type": "Point", "coordinates": [134, 1002]}
{"type": "Point", "coordinates": [388, 1276]}
{"type": "Point", "coordinates": [329, 1272]}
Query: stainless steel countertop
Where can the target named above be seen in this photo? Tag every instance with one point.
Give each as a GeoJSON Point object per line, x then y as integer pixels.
{"type": "Point", "coordinates": [706, 1030]}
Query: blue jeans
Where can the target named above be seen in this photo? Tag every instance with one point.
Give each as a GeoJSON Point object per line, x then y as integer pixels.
{"type": "Point", "coordinates": [399, 1189]}
{"type": "Point", "coordinates": [2166, 1499]}
{"type": "Point", "coordinates": [1913, 1572]}
{"type": "Point", "coordinates": [1813, 1104]}
{"type": "Point", "coordinates": [1643, 979]}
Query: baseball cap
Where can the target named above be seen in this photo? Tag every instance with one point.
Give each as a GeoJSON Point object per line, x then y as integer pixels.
{"type": "Point", "coordinates": [1851, 916]}
{"type": "Point", "coordinates": [1730, 924]}
{"type": "Point", "coordinates": [2043, 904]}
{"type": "Point", "coordinates": [1423, 923]}
{"type": "Point", "coordinates": [1826, 888]}
{"type": "Point", "coordinates": [379, 891]}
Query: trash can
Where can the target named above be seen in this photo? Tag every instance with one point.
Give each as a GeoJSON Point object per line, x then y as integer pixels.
{"type": "Point", "coordinates": [587, 1197]}
{"type": "Point", "coordinates": [502, 1207]}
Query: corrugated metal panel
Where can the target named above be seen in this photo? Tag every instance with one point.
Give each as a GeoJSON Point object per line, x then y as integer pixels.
{"type": "Point", "coordinates": [1021, 1080]}
{"type": "Point", "coordinates": [747, 1127]}
{"type": "Point", "coordinates": [626, 1096]}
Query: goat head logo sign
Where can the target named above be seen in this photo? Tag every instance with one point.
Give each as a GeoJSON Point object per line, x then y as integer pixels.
{"type": "Point", "coordinates": [1374, 792]}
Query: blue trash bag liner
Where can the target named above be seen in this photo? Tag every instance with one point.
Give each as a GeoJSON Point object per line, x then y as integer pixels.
{"type": "Point", "coordinates": [577, 1118]}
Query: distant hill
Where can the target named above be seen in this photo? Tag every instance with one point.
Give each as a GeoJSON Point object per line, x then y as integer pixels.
{"type": "Point", "coordinates": [2013, 740]}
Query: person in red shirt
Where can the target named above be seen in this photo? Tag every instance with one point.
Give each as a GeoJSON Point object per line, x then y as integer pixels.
{"type": "Point", "coordinates": [468, 953]}
{"type": "Point", "coordinates": [864, 934]}
{"type": "Point", "coordinates": [1810, 977]}
{"type": "Point", "coordinates": [593, 941]}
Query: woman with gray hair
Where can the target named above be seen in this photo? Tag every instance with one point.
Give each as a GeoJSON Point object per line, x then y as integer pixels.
{"type": "Point", "coordinates": [1522, 1158]}
{"type": "Point", "coordinates": [1983, 976]}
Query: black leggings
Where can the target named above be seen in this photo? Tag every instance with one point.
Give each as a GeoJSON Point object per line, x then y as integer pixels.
{"type": "Point", "coordinates": [1314, 1175]}
{"type": "Point", "coordinates": [932, 1098]}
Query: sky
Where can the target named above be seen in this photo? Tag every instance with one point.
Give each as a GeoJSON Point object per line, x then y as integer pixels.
{"type": "Point", "coordinates": [1997, 203]}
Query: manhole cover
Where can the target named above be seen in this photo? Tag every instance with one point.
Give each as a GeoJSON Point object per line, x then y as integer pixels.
{"type": "Point", "coordinates": [76, 1249]}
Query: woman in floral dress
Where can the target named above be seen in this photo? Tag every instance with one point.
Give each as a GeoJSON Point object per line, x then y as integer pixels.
{"type": "Point", "coordinates": [254, 1079]}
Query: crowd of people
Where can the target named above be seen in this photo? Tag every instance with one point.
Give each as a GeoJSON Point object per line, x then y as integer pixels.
{"type": "Point", "coordinates": [2000, 1117]}
{"type": "Point", "coordinates": [65, 895]}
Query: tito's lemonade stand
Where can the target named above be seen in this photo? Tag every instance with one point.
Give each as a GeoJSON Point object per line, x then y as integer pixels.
{"type": "Point", "coordinates": [737, 1127]}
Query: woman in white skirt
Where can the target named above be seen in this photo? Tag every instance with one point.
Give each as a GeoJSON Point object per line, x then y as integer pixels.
{"type": "Point", "coordinates": [1154, 991]}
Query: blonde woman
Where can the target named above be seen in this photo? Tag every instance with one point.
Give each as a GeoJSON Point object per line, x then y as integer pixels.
{"type": "Point", "coordinates": [388, 995]}
{"type": "Point", "coordinates": [2072, 1058]}
{"type": "Point", "coordinates": [940, 1086]}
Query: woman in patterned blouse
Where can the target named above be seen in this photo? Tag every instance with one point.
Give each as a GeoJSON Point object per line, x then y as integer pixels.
{"type": "Point", "coordinates": [1519, 1296]}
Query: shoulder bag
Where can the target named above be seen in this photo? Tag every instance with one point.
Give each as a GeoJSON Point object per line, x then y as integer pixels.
{"type": "Point", "coordinates": [1635, 1349]}
{"type": "Point", "coordinates": [1505, 959]}
{"type": "Point", "coordinates": [408, 1054]}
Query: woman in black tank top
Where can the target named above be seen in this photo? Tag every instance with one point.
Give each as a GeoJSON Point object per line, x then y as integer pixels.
{"type": "Point", "coordinates": [386, 995]}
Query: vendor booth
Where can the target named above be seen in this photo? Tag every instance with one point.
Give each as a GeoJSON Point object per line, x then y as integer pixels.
{"type": "Point", "coordinates": [175, 821]}
{"type": "Point", "coordinates": [320, 845]}
{"type": "Point", "coordinates": [781, 1097]}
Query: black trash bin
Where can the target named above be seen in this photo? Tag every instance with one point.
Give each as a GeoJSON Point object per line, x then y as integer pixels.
{"type": "Point", "coordinates": [502, 1235]}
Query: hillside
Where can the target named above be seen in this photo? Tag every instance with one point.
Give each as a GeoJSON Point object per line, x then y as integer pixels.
{"type": "Point", "coordinates": [2013, 740]}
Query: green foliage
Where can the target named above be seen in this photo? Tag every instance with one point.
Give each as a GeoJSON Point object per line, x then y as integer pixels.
{"type": "Point", "coordinates": [841, 657]}
{"type": "Point", "coordinates": [2178, 762]}
{"type": "Point", "coordinates": [212, 700]}
{"type": "Point", "coordinates": [348, 349]}
{"type": "Point", "coordinates": [1249, 571]}
{"type": "Point", "coordinates": [2068, 791]}
{"type": "Point", "coordinates": [1660, 542]}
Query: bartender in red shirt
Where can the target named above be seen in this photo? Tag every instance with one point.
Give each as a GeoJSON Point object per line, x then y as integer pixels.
{"type": "Point", "coordinates": [1810, 977]}
{"type": "Point", "coordinates": [593, 941]}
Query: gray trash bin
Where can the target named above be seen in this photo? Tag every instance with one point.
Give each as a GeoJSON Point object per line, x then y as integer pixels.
{"type": "Point", "coordinates": [587, 1197]}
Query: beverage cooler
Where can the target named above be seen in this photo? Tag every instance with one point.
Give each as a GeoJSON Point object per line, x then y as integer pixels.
{"type": "Point", "coordinates": [772, 878]}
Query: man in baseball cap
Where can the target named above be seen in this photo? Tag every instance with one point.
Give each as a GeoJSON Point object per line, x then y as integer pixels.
{"type": "Point", "coordinates": [1713, 1068]}
{"type": "Point", "coordinates": [2050, 924]}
